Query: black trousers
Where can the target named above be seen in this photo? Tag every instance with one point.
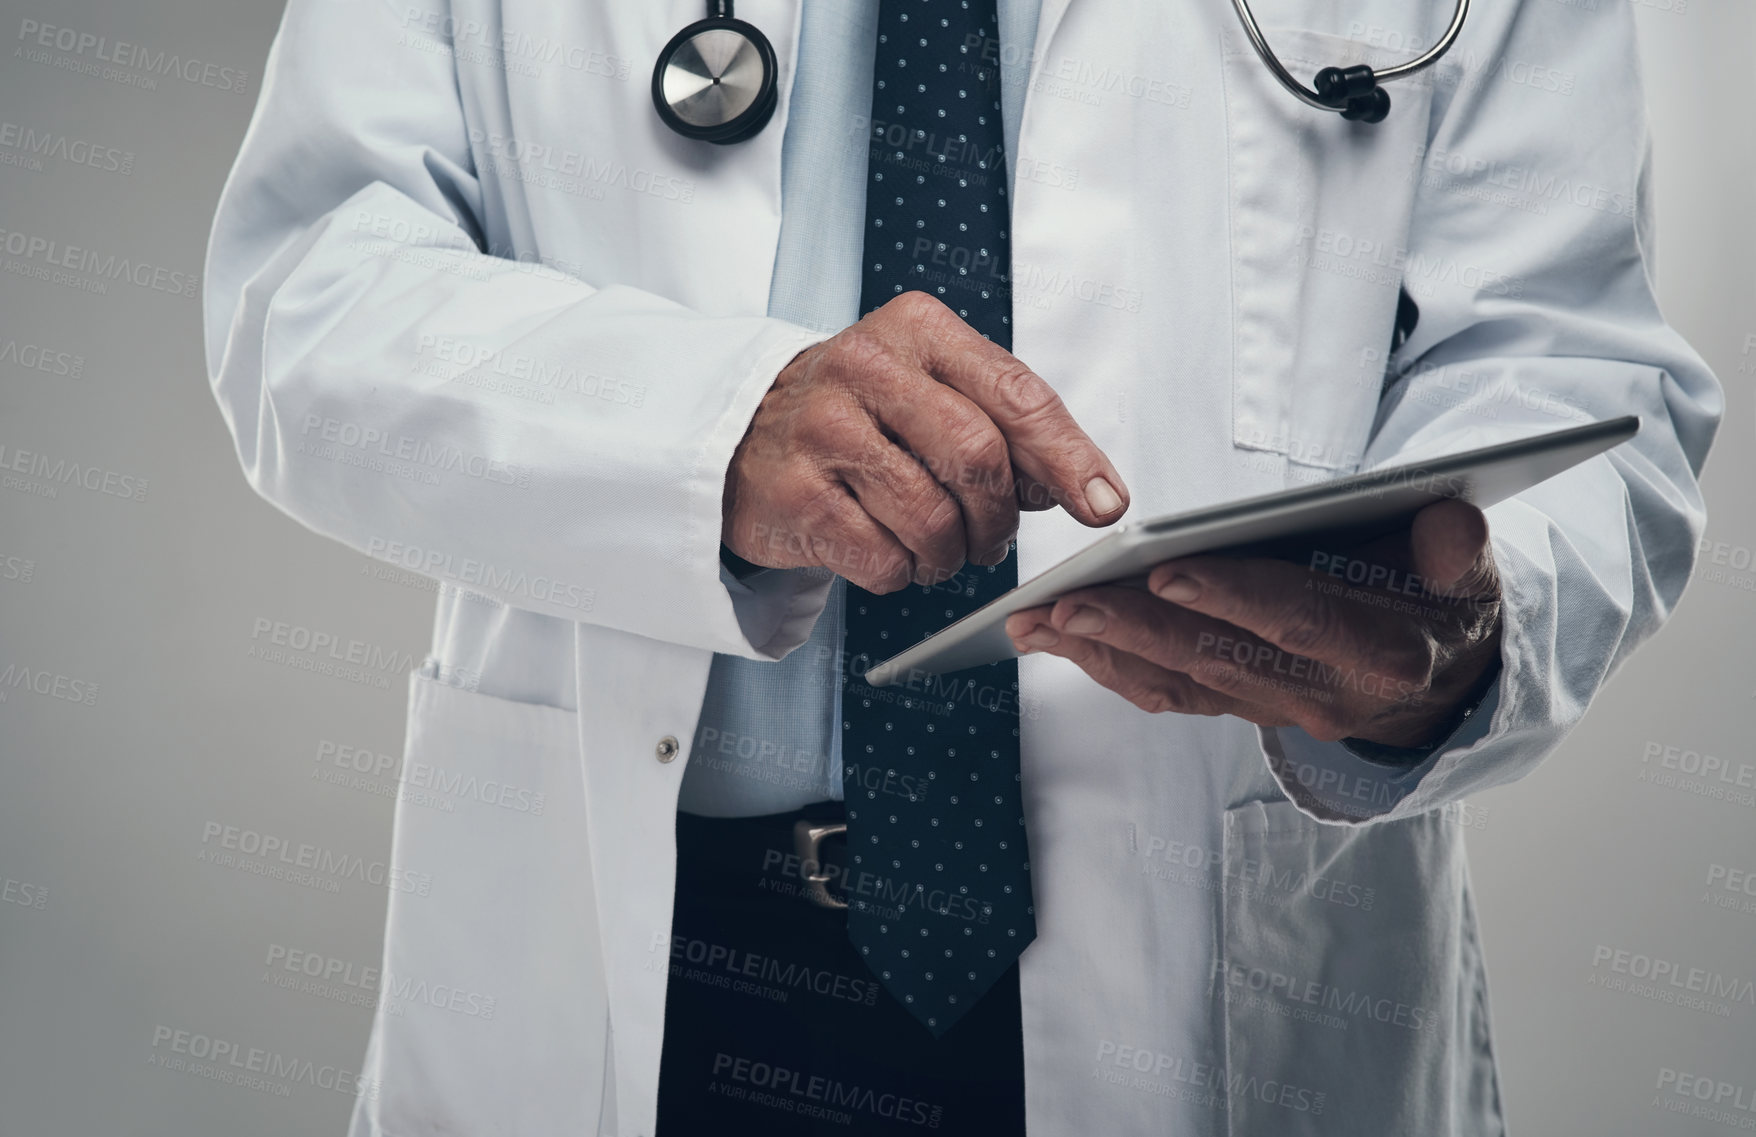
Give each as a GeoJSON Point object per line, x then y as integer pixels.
{"type": "Point", "coordinates": [775, 1026]}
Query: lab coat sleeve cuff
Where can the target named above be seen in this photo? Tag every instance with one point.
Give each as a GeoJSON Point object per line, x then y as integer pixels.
{"type": "Point", "coordinates": [1511, 730]}
{"type": "Point", "coordinates": [774, 610]}
{"type": "Point", "coordinates": [1330, 782]}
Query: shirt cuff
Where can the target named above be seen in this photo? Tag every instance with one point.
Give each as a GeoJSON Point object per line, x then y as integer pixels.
{"type": "Point", "coordinates": [776, 608]}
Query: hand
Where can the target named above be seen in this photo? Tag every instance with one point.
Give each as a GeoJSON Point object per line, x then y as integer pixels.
{"type": "Point", "coordinates": [904, 446]}
{"type": "Point", "coordinates": [1384, 642]}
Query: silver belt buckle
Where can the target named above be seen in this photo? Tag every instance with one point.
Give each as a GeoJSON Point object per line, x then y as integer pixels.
{"type": "Point", "coordinates": [808, 844]}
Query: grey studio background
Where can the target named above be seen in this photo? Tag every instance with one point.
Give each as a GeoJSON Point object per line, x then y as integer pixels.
{"type": "Point", "coordinates": [167, 620]}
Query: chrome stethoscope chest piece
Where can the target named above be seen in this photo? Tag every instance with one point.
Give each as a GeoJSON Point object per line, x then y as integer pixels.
{"type": "Point", "coordinates": [715, 81]}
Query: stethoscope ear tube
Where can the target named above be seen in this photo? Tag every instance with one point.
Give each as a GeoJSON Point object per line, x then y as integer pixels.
{"type": "Point", "coordinates": [1356, 92]}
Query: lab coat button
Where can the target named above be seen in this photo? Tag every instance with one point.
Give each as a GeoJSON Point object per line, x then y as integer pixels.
{"type": "Point", "coordinates": [667, 748]}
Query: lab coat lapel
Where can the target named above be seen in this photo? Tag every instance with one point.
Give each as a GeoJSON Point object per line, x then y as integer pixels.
{"type": "Point", "coordinates": [1048, 19]}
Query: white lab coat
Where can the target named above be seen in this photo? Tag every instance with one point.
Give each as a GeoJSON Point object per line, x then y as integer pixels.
{"type": "Point", "coordinates": [1206, 270]}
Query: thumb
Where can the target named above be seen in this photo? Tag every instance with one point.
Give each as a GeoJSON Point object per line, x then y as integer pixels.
{"type": "Point", "coordinates": [1452, 553]}
{"type": "Point", "coordinates": [1054, 462]}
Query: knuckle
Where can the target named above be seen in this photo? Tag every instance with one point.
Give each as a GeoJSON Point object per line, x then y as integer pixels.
{"type": "Point", "coordinates": [1305, 624]}
{"type": "Point", "coordinates": [1136, 629]}
{"type": "Point", "coordinates": [886, 572]}
{"type": "Point", "coordinates": [896, 579]}
{"type": "Point", "coordinates": [886, 583]}
{"type": "Point", "coordinates": [859, 355]}
{"type": "Point", "coordinates": [915, 305]}
{"type": "Point", "coordinates": [1156, 700]}
{"type": "Point", "coordinates": [818, 509]}
{"type": "Point", "coordinates": [1216, 673]}
{"type": "Point", "coordinates": [1330, 723]}
{"type": "Point", "coordinates": [1089, 656]}
{"type": "Point", "coordinates": [1022, 394]}
{"type": "Point", "coordinates": [982, 458]}
{"type": "Point", "coordinates": [940, 519]}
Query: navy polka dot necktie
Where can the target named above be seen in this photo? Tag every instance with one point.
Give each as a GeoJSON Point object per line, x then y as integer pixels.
{"type": "Point", "coordinates": [940, 900]}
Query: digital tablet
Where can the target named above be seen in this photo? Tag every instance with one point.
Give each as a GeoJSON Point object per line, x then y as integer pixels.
{"type": "Point", "coordinates": [1356, 506]}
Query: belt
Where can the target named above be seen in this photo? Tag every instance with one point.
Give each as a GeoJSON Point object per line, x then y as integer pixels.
{"type": "Point", "coordinates": [801, 854]}
{"type": "Point", "coordinates": [808, 838]}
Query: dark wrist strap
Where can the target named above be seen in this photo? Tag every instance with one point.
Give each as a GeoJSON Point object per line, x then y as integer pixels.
{"type": "Point", "coordinates": [1415, 755]}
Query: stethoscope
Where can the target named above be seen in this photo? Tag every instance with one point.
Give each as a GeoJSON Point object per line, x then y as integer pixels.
{"type": "Point", "coordinates": [1356, 92]}
{"type": "Point", "coordinates": [715, 79]}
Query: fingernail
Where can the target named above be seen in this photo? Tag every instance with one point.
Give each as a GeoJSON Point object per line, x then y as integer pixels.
{"type": "Point", "coordinates": [1101, 496]}
{"type": "Point", "coordinates": [997, 554]}
{"type": "Point", "coordinates": [1085, 622]}
{"type": "Point", "coordinates": [1043, 636]}
{"type": "Point", "coordinates": [1179, 590]}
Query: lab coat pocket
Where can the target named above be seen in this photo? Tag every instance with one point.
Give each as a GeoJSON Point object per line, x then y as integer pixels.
{"type": "Point", "coordinates": [492, 974]}
{"type": "Point", "coordinates": [1351, 979]}
{"type": "Point", "coordinates": [1319, 214]}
